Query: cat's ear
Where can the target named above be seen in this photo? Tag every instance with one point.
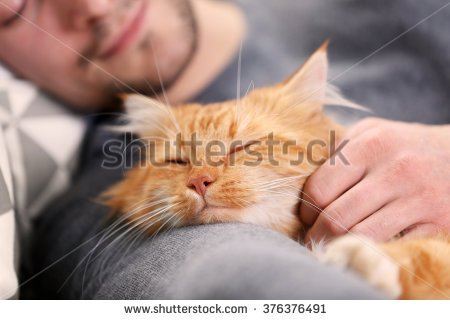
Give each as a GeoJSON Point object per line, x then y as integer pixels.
{"type": "Point", "coordinates": [144, 115]}
{"type": "Point", "coordinates": [309, 82]}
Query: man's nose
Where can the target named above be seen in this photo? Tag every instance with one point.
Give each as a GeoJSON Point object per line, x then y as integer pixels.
{"type": "Point", "coordinates": [86, 13]}
{"type": "Point", "coordinates": [200, 182]}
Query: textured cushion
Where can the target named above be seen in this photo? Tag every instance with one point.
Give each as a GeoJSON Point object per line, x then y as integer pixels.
{"type": "Point", "coordinates": [39, 145]}
{"type": "Point", "coordinates": [8, 279]}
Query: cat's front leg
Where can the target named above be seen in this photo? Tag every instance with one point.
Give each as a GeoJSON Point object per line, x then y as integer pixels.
{"type": "Point", "coordinates": [367, 259]}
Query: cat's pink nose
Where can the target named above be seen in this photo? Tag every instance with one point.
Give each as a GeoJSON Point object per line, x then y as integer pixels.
{"type": "Point", "coordinates": [200, 183]}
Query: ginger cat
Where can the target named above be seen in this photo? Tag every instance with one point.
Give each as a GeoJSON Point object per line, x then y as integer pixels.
{"type": "Point", "coordinates": [249, 162]}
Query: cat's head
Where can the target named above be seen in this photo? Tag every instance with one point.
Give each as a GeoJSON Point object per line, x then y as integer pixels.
{"type": "Point", "coordinates": [244, 160]}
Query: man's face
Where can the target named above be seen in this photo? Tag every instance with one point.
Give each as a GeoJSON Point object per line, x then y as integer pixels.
{"type": "Point", "coordinates": [83, 51]}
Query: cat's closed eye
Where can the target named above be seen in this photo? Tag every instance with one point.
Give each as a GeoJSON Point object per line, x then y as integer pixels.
{"type": "Point", "coordinates": [177, 161]}
{"type": "Point", "coordinates": [239, 147]}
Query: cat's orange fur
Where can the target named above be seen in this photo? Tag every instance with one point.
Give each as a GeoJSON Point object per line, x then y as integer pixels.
{"type": "Point", "coordinates": [424, 266]}
{"type": "Point", "coordinates": [157, 198]}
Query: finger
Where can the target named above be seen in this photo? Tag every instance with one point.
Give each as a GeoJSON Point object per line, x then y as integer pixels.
{"type": "Point", "coordinates": [351, 208]}
{"type": "Point", "coordinates": [329, 182]}
{"type": "Point", "coordinates": [387, 222]}
{"type": "Point", "coordinates": [347, 166]}
{"type": "Point", "coordinates": [422, 230]}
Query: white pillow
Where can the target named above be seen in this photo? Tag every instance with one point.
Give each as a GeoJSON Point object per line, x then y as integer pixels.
{"type": "Point", "coordinates": [8, 278]}
{"type": "Point", "coordinates": [40, 145]}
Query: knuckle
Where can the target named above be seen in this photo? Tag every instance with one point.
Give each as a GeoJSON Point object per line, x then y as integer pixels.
{"type": "Point", "coordinates": [431, 196]}
{"type": "Point", "coordinates": [366, 230]}
{"type": "Point", "coordinates": [445, 223]}
{"type": "Point", "coordinates": [408, 171]}
{"type": "Point", "coordinates": [378, 141]}
{"type": "Point", "coordinates": [407, 166]}
{"type": "Point", "coordinates": [316, 195]}
{"type": "Point", "coordinates": [374, 230]}
{"type": "Point", "coordinates": [333, 226]}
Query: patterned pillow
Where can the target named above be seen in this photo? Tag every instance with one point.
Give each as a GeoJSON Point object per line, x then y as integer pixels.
{"type": "Point", "coordinates": [8, 279]}
{"type": "Point", "coordinates": [39, 145]}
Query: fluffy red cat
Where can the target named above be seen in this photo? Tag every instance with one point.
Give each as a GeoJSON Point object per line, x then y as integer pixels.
{"type": "Point", "coordinates": [249, 163]}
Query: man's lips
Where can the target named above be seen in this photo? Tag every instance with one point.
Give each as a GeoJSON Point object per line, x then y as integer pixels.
{"type": "Point", "coordinates": [125, 36]}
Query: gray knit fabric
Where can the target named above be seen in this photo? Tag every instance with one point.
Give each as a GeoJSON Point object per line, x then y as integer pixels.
{"type": "Point", "coordinates": [233, 261]}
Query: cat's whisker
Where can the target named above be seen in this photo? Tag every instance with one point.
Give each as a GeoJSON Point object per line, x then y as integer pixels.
{"type": "Point", "coordinates": [168, 105]}
{"type": "Point", "coordinates": [145, 143]}
{"type": "Point", "coordinates": [332, 96]}
{"type": "Point", "coordinates": [152, 138]}
{"type": "Point", "coordinates": [168, 109]}
{"type": "Point", "coordinates": [170, 228]}
{"type": "Point", "coordinates": [310, 203]}
{"type": "Point", "coordinates": [156, 125]}
{"type": "Point", "coordinates": [142, 118]}
{"type": "Point", "coordinates": [296, 197]}
{"type": "Point", "coordinates": [105, 237]}
{"type": "Point", "coordinates": [105, 230]}
{"type": "Point", "coordinates": [276, 185]}
{"type": "Point", "coordinates": [140, 231]}
{"type": "Point", "coordinates": [251, 87]}
{"type": "Point", "coordinates": [141, 115]}
{"type": "Point", "coordinates": [285, 179]}
{"type": "Point", "coordinates": [162, 226]}
{"type": "Point", "coordinates": [146, 227]}
{"type": "Point", "coordinates": [125, 216]}
{"type": "Point", "coordinates": [175, 224]}
{"type": "Point", "coordinates": [151, 87]}
{"type": "Point", "coordinates": [117, 241]}
{"type": "Point", "coordinates": [137, 208]}
{"type": "Point", "coordinates": [321, 211]}
{"type": "Point", "coordinates": [238, 85]}
{"type": "Point", "coordinates": [89, 260]}
{"type": "Point", "coordinates": [141, 226]}
{"type": "Point", "coordinates": [144, 218]}
{"type": "Point", "coordinates": [248, 203]}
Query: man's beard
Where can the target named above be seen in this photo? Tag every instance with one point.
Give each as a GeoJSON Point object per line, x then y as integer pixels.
{"type": "Point", "coordinates": [146, 87]}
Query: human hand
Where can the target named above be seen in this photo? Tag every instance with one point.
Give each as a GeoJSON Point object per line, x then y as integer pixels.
{"type": "Point", "coordinates": [397, 181]}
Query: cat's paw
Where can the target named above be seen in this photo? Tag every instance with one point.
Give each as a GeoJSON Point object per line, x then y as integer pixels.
{"type": "Point", "coordinates": [367, 259]}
